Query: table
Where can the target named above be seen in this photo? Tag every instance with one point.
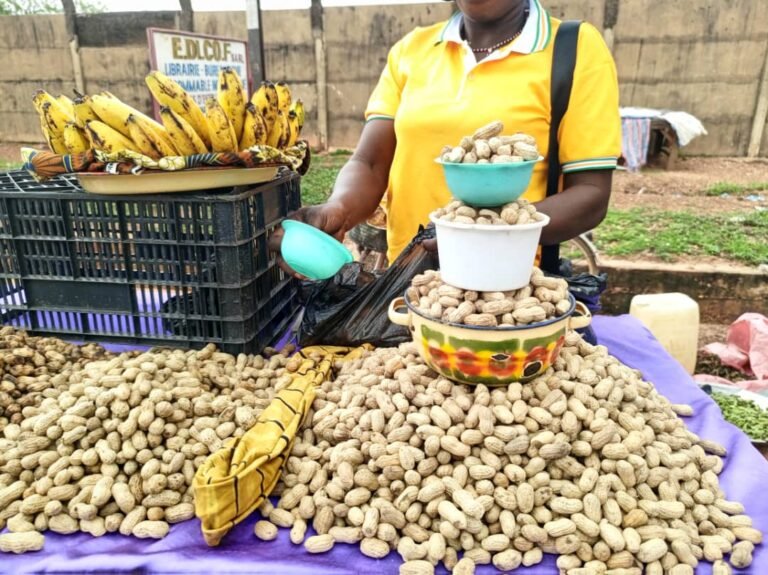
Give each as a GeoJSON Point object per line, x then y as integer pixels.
{"type": "Point", "coordinates": [184, 550]}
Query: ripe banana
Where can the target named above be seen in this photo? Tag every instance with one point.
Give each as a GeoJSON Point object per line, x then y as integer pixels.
{"type": "Point", "coordinates": [83, 111]}
{"type": "Point", "coordinates": [265, 100]}
{"type": "Point", "coordinates": [254, 128]}
{"type": "Point", "coordinates": [298, 107]}
{"type": "Point", "coordinates": [74, 139]}
{"type": "Point", "coordinates": [231, 96]}
{"type": "Point", "coordinates": [57, 111]}
{"type": "Point", "coordinates": [220, 128]}
{"type": "Point", "coordinates": [168, 93]}
{"type": "Point", "coordinates": [147, 140]}
{"type": "Point", "coordinates": [183, 135]}
{"type": "Point", "coordinates": [283, 97]}
{"type": "Point", "coordinates": [53, 128]}
{"type": "Point", "coordinates": [280, 133]}
{"type": "Point", "coordinates": [107, 139]}
{"type": "Point", "coordinates": [293, 129]}
{"type": "Point", "coordinates": [114, 112]}
{"type": "Point", "coordinates": [67, 104]}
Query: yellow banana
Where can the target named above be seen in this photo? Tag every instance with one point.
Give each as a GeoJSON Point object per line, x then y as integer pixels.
{"type": "Point", "coordinates": [219, 127]}
{"type": "Point", "coordinates": [183, 135]}
{"type": "Point", "coordinates": [254, 128]}
{"type": "Point", "coordinates": [83, 111]}
{"type": "Point", "coordinates": [265, 100]}
{"type": "Point", "coordinates": [280, 133]}
{"type": "Point", "coordinates": [107, 139]}
{"type": "Point", "coordinates": [167, 92]}
{"type": "Point", "coordinates": [53, 128]}
{"type": "Point", "coordinates": [75, 139]}
{"type": "Point", "coordinates": [231, 96]}
{"type": "Point", "coordinates": [67, 104]}
{"type": "Point", "coordinates": [113, 112]}
{"type": "Point", "coordinates": [283, 97]}
{"type": "Point", "coordinates": [298, 107]}
{"type": "Point", "coordinates": [293, 129]}
{"type": "Point", "coordinates": [55, 109]}
{"type": "Point", "coordinates": [147, 140]}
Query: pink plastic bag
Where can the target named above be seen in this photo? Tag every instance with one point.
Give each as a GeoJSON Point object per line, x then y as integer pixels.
{"type": "Point", "coordinates": [746, 349]}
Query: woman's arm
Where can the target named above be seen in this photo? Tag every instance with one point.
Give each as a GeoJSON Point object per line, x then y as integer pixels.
{"type": "Point", "coordinates": [580, 207]}
{"type": "Point", "coordinates": [359, 187]}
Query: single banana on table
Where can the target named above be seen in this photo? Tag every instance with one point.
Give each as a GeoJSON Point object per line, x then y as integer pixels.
{"type": "Point", "coordinates": [254, 128]}
{"type": "Point", "coordinates": [75, 139]}
{"type": "Point", "coordinates": [284, 98]}
{"type": "Point", "coordinates": [147, 139]}
{"type": "Point", "coordinates": [114, 112]}
{"type": "Point", "coordinates": [67, 104]}
{"type": "Point", "coordinates": [221, 132]}
{"type": "Point", "coordinates": [293, 129]}
{"type": "Point", "coordinates": [266, 101]}
{"type": "Point", "coordinates": [107, 139]}
{"type": "Point", "coordinates": [298, 107]}
{"type": "Point", "coordinates": [231, 97]}
{"type": "Point", "coordinates": [169, 93]}
{"type": "Point", "coordinates": [186, 141]}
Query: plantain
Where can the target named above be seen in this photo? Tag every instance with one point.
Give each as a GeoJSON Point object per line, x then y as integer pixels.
{"type": "Point", "coordinates": [83, 111]}
{"type": "Point", "coordinates": [293, 129]}
{"type": "Point", "coordinates": [231, 96]}
{"type": "Point", "coordinates": [114, 112]}
{"type": "Point", "coordinates": [56, 110]}
{"type": "Point", "coordinates": [185, 139]}
{"type": "Point", "coordinates": [219, 127]}
{"type": "Point", "coordinates": [265, 100]}
{"type": "Point", "coordinates": [168, 93]}
{"type": "Point", "coordinates": [75, 139]}
{"type": "Point", "coordinates": [254, 128]}
{"type": "Point", "coordinates": [53, 128]}
{"type": "Point", "coordinates": [106, 139]}
{"type": "Point", "coordinates": [147, 139]}
{"type": "Point", "coordinates": [284, 99]}
{"type": "Point", "coordinates": [298, 107]}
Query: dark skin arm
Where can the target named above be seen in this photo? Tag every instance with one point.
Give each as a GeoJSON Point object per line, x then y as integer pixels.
{"type": "Point", "coordinates": [358, 190]}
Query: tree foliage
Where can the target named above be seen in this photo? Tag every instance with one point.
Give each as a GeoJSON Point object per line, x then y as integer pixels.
{"type": "Point", "coordinates": [19, 7]}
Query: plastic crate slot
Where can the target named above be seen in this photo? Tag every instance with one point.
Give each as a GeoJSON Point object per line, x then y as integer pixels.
{"type": "Point", "coordinates": [45, 258]}
{"type": "Point", "coordinates": [7, 258]}
{"type": "Point", "coordinates": [11, 295]}
{"type": "Point", "coordinates": [99, 260]}
{"type": "Point", "coordinates": [94, 220]}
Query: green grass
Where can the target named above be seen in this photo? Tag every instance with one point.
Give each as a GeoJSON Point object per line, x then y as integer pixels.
{"type": "Point", "coordinates": [668, 235]}
{"type": "Point", "coordinates": [732, 189]}
{"type": "Point", "coordinates": [6, 165]}
{"type": "Point", "coordinates": [317, 184]}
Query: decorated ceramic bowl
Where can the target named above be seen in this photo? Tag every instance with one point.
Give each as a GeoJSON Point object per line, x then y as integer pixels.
{"type": "Point", "coordinates": [488, 355]}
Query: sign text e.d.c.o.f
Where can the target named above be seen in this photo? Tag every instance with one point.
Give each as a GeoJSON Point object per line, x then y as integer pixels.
{"type": "Point", "coordinates": [194, 60]}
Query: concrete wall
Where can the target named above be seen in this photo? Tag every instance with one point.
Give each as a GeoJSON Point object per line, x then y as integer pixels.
{"type": "Point", "coordinates": [701, 56]}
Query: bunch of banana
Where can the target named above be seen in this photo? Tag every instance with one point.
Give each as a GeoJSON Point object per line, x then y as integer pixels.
{"type": "Point", "coordinates": [229, 122]}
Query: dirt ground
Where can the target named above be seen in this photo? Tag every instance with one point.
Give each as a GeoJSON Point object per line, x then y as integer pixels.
{"type": "Point", "coordinates": [683, 188]}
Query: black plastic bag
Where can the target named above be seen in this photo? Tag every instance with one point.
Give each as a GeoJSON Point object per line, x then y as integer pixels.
{"type": "Point", "coordinates": [586, 288]}
{"type": "Point", "coordinates": [350, 309]}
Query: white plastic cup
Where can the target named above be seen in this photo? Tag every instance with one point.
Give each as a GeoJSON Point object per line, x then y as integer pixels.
{"type": "Point", "coordinates": [487, 258]}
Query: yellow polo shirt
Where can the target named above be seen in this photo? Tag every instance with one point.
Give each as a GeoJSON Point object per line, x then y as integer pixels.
{"type": "Point", "coordinates": [436, 92]}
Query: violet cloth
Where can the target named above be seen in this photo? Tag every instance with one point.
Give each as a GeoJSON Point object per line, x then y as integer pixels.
{"type": "Point", "coordinates": [184, 550]}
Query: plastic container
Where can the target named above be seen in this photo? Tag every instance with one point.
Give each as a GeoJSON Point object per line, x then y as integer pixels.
{"type": "Point", "coordinates": [673, 319]}
{"type": "Point", "coordinates": [174, 270]}
{"type": "Point", "coordinates": [487, 258]}
{"type": "Point", "coordinates": [488, 185]}
{"type": "Point", "coordinates": [312, 252]}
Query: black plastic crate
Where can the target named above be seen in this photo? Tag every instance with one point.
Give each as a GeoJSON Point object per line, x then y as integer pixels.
{"type": "Point", "coordinates": [172, 269]}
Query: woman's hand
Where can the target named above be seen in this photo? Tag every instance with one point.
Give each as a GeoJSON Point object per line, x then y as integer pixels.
{"type": "Point", "coordinates": [329, 218]}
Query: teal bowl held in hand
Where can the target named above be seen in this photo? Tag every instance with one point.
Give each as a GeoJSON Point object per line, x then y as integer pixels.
{"type": "Point", "coordinates": [311, 252]}
{"type": "Point", "coordinates": [488, 185]}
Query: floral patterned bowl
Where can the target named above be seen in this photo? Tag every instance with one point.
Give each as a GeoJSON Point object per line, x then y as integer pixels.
{"type": "Point", "coordinates": [488, 355]}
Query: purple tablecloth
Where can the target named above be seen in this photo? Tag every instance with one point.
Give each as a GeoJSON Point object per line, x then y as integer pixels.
{"type": "Point", "coordinates": [184, 550]}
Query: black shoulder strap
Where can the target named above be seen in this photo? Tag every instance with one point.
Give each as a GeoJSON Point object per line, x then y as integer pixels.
{"type": "Point", "coordinates": [563, 65]}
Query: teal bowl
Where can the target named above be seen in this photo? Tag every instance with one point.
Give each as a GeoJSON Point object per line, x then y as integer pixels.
{"type": "Point", "coordinates": [488, 185]}
{"type": "Point", "coordinates": [311, 252]}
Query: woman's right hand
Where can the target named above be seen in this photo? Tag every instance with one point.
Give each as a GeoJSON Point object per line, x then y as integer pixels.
{"type": "Point", "coordinates": [329, 218]}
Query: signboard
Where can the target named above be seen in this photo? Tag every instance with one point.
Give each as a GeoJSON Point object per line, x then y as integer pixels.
{"type": "Point", "coordinates": [194, 60]}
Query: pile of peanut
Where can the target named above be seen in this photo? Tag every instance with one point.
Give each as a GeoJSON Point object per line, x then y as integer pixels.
{"type": "Point", "coordinates": [514, 213]}
{"type": "Point", "coordinates": [114, 446]}
{"type": "Point", "coordinates": [30, 365]}
{"type": "Point", "coordinates": [488, 146]}
{"type": "Point", "coordinates": [587, 462]}
{"type": "Point", "coordinates": [543, 298]}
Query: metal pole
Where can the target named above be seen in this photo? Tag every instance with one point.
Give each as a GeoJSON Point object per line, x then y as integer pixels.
{"type": "Point", "coordinates": [255, 43]}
